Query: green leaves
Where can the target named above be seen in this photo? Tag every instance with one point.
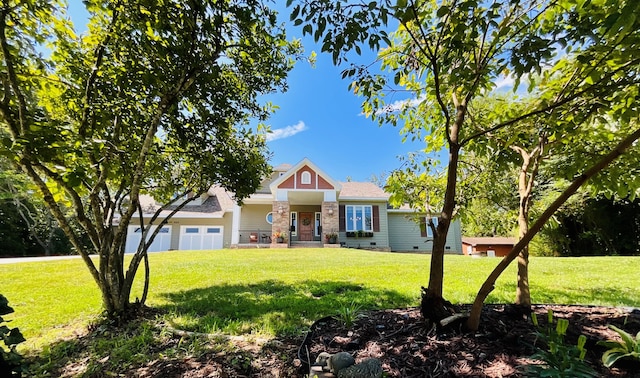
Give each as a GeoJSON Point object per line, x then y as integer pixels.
{"type": "Point", "coordinates": [151, 99]}
{"type": "Point", "coordinates": [342, 27]}
{"type": "Point", "coordinates": [10, 360]}
{"type": "Point", "coordinates": [559, 358]}
{"type": "Point", "coordinates": [628, 348]}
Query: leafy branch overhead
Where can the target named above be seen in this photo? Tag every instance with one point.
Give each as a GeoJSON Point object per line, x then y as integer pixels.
{"type": "Point", "coordinates": [444, 59]}
{"type": "Point", "coordinates": [153, 98]}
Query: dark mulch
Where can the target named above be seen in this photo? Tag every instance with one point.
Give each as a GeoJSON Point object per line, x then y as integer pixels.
{"type": "Point", "coordinates": [400, 338]}
{"type": "Point", "coordinates": [501, 347]}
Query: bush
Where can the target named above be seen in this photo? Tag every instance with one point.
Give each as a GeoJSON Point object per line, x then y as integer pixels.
{"type": "Point", "coordinates": [10, 360]}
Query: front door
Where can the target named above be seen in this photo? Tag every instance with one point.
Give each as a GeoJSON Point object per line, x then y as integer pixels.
{"type": "Point", "coordinates": [306, 227]}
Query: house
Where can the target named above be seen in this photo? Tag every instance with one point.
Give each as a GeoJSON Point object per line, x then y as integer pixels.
{"type": "Point", "coordinates": [305, 204]}
{"type": "Point", "coordinates": [487, 246]}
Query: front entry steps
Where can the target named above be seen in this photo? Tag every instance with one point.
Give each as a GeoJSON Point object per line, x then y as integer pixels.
{"type": "Point", "coordinates": [306, 244]}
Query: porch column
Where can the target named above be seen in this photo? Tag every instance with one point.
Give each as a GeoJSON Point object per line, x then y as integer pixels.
{"type": "Point", "coordinates": [329, 218]}
{"type": "Point", "coordinates": [235, 225]}
{"type": "Point", "coordinates": [281, 221]}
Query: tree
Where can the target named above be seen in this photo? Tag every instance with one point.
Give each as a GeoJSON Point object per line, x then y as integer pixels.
{"type": "Point", "coordinates": [524, 146]}
{"type": "Point", "coordinates": [448, 55]}
{"type": "Point", "coordinates": [35, 230]}
{"type": "Point", "coordinates": [148, 100]}
{"type": "Point", "coordinates": [599, 226]}
{"type": "Point", "coordinates": [492, 211]}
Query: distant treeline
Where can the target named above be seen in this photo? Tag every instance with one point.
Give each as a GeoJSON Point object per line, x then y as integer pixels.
{"type": "Point", "coordinates": [601, 227]}
{"type": "Point", "coordinates": [18, 238]}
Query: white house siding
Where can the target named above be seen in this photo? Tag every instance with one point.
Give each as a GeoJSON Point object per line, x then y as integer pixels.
{"type": "Point", "coordinates": [404, 235]}
{"type": "Point", "coordinates": [381, 239]}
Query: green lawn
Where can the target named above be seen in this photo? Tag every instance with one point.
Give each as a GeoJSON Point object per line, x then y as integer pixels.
{"type": "Point", "coordinates": [265, 291]}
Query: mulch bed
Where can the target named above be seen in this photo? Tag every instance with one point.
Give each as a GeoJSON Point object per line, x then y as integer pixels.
{"type": "Point", "coordinates": [403, 342]}
{"type": "Point", "coordinates": [501, 347]}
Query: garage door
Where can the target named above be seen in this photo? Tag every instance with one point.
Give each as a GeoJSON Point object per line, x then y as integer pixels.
{"type": "Point", "coordinates": [162, 242]}
{"type": "Point", "coordinates": [201, 237]}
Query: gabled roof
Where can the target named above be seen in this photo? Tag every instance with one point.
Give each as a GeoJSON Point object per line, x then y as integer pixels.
{"type": "Point", "coordinates": [292, 171]}
{"type": "Point", "coordinates": [217, 203]}
{"type": "Point", "coordinates": [362, 190]}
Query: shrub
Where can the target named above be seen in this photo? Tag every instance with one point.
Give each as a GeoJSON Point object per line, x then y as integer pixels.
{"type": "Point", "coordinates": [627, 348]}
{"type": "Point", "coordinates": [10, 360]}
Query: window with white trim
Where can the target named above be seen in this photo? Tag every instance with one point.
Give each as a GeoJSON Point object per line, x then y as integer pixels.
{"type": "Point", "coordinates": [317, 224]}
{"type": "Point", "coordinates": [305, 178]}
{"type": "Point", "coordinates": [294, 223]}
{"type": "Point", "coordinates": [359, 218]}
{"type": "Point", "coordinates": [269, 217]}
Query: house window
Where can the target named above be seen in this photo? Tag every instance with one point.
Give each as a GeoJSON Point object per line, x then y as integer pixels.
{"type": "Point", "coordinates": [359, 218]}
{"type": "Point", "coordinates": [435, 224]}
{"type": "Point", "coordinates": [294, 223]}
{"type": "Point", "coordinates": [317, 224]}
{"type": "Point", "coordinates": [305, 178]}
{"type": "Point", "coordinates": [269, 217]}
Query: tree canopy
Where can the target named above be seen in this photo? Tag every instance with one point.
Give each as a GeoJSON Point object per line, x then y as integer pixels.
{"type": "Point", "coordinates": [576, 57]}
{"type": "Point", "coordinates": [151, 99]}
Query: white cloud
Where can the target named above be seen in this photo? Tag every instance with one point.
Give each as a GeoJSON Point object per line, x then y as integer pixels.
{"type": "Point", "coordinates": [504, 81]}
{"type": "Point", "coordinates": [399, 105]}
{"type": "Point", "coordinates": [286, 132]}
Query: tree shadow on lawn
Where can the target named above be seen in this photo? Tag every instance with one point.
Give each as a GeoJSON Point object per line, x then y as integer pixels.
{"type": "Point", "coordinates": [273, 307]}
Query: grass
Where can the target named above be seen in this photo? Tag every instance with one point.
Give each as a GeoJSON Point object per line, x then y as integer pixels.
{"type": "Point", "coordinates": [279, 292]}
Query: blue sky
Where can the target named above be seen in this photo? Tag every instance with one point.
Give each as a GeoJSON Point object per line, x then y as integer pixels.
{"type": "Point", "coordinates": [320, 119]}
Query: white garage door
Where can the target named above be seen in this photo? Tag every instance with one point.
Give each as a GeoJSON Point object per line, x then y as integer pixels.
{"type": "Point", "coordinates": [201, 237]}
{"type": "Point", "coordinates": [162, 242]}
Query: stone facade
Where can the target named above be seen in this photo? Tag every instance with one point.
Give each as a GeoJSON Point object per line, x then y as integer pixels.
{"type": "Point", "coordinates": [280, 223]}
{"type": "Point", "coordinates": [329, 218]}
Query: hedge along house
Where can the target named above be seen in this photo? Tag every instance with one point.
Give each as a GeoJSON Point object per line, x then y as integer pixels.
{"type": "Point", "coordinates": [305, 206]}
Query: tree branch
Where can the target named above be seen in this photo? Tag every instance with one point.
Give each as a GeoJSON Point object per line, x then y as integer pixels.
{"type": "Point", "coordinates": [99, 55]}
{"type": "Point", "coordinates": [488, 286]}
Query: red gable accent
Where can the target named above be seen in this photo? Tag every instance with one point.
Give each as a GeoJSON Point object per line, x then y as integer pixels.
{"type": "Point", "coordinates": [287, 184]}
{"type": "Point", "coordinates": [299, 184]}
{"type": "Point", "coordinates": [324, 184]}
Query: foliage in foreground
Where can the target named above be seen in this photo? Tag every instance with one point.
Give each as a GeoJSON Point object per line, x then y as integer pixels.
{"type": "Point", "coordinates": [560, 360]}
{"type": "Point", "coordinates": [447, 56]}
{"type": "Point", "coordinates": [153, 98]}
{"type": "Point", "coordinates": [10, 360]}
{"type": "Point", "coordinates": [628, 348]}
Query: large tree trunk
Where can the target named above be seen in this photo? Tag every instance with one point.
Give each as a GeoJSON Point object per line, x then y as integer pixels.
{"type": "Point", "coordinates": [523, 294]}
{"type": "Point", "coordinates": [487, 287]}
{"type": "Point", "coordinates": [433, 306]}
{"type": "Point", "coordinates": [526, 181]}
